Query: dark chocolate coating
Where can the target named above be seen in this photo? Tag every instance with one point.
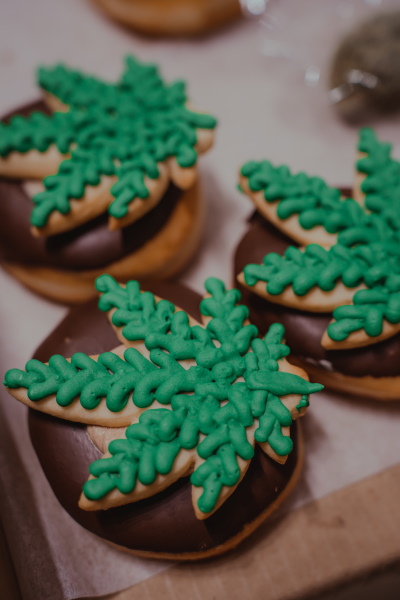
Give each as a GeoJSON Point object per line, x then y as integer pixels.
{"type": "Point", "coordinates": [304, 330]}
{"type": "Point", "coordinates": [165, 523]}
{"type": "Point", "coordinates": [90, 246]}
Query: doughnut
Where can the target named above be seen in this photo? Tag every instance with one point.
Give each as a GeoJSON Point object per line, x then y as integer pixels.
{"type": "Point", "coordinates": [172, 17]}
{"type": "Point", "coordinates": [326, 264]}
{"type": "Point", "coordinates": [119, 190]}
{"type": "Point", "coordinates": [170, 432]}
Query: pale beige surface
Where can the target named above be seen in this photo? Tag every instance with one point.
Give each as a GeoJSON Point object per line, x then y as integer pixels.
{"type": "Point", "coordinates": [320, 547]}
{"type": "Point", "coordinates": [265, 111]}
{"type": "Point", "coordinates": [8, 580]}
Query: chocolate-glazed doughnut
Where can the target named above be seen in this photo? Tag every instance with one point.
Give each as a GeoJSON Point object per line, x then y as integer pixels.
{"type": "Point", "coordinates": [90, 246]}
{"type": "Point", "coordinates": [304, 330]}
{"type": "Point", "coordinates": [164, 525]}
{"type": "Point", "coordinates": [325, 262]}
{"type": "Point", "coordinates": [119, 172]}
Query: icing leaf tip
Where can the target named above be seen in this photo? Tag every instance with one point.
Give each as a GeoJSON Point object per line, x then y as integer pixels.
{"type": "Point", "coordinates": [106, 135]}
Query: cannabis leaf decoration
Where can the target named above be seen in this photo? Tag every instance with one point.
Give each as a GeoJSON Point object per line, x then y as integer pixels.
{"type": "Point", "coordinates": [113, 146]}
{"type": "Point", "coordinates": [353, 268]}
{"type": "Point", "coordinates": [196, 398]}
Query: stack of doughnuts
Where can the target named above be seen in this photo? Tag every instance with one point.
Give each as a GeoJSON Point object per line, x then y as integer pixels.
{"type": "Point", "coordinates": [100, 177]}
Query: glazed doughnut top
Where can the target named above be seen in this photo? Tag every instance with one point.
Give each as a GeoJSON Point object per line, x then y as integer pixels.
{"type": "Point", "coordinates": [349, 262]}
{"type": "Point", "coordinates": [192, 398]}
{"type": "Point", "coordinates": [107, 147]}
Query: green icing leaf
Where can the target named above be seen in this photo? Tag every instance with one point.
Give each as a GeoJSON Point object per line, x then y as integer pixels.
{"type": "Point", "coordinates": [109, 377]}
{"type": "Point", "coordinates": [367, 250]}
{"type": "Point", "coordinates": [40, 131]}
{"type": "Point", "coordinates": [218, 408]}
{"type": "Point", "coordinates": [217, 412]}
{"type": "Point", "coordinates": [137, 313]}
{"type": "Point", "coordinates": [121, 129]}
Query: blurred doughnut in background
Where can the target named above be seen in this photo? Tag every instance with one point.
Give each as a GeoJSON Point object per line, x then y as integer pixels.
{"type": "Point", "coordinates": [172, 17]}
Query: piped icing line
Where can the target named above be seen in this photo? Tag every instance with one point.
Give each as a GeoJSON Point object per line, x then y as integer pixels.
{"type": "Point", "coordinates": [123, 142]}
{"type": "Point", "coordinates": [350, 262]}
{"type": "Point", "coordinates": [379, 182]}
{"type": "Point", "coordinates": [199, 397]}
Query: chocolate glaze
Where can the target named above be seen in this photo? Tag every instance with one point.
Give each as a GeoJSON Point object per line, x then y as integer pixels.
{"type": "Point", "coordinates": [90, 246]}
{"type": "Point", "coordinates": [304, 330]}
{"type": "Point", "coordinates": [165, 523]}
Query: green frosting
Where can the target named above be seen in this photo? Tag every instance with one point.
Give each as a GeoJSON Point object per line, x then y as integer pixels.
{"type": "Point", "coordinates": [367, 250]}
{"type": "Point", "coordinates": [382, 175]}
{"type": "Point", "coordinates": [304, 403]}
{"type": "Point", "coordinates": [121, 129]}
{"type": "Point", "coordinates": [207, 409]}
